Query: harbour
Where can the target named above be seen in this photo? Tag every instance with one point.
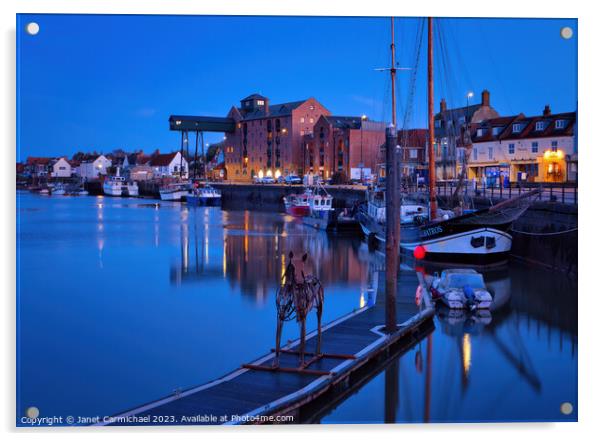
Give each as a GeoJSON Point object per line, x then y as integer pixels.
{"type": "Point", "coordinates": [150, 263]}
{"type": "Point", "coordinates": [306, 264]}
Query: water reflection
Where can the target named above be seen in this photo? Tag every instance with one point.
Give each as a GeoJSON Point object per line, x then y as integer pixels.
{"type": "Point", "coordinates": [251, 248]}
{"type": "Point", "coordinates": [516, 362]}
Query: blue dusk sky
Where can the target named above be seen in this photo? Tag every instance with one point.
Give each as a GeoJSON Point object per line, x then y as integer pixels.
{"type": "Point", "coordinates": [101, 82]}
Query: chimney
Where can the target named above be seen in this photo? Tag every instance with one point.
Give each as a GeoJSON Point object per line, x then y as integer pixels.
{"type": "Point", "coordinates": [442, 105]}
{"type": "Point", "coordinates": [485, 98]}
{"type": "Point", "coordinates": [547, 111]}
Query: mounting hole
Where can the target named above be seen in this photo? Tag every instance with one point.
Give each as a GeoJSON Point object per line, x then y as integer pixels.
{"type": "Point", "coordinates": [32, 28]}
{"type": "Point", "coordinates": [566, 408]}
{"type": "Point", "coordinates": [566, 33]}
{"type": "Point", "coordinates": [32, 412]}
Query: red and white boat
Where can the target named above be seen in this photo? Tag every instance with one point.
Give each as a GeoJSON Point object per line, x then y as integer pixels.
{"type": "Point", "coordinates": [297, 204]}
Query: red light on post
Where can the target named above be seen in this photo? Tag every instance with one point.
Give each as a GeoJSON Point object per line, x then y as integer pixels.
{"type": "Point", "coordinates": [419, 252]}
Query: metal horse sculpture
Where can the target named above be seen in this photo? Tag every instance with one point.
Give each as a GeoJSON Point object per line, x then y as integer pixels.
{"type": "Point", "coordinates": [297, 296]}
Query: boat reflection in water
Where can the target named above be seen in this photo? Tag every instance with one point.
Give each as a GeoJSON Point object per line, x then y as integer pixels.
{"type": "Point", "coordinates": [515, 362]}
{"type": "Point", "coordinates": [250, 253]}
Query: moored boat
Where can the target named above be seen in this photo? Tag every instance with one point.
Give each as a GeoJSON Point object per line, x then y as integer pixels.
{"type": "Point", "coordinates": [297, 204]}
{"type": "Point", "coordinates": [461, 289]}
{"type": "Point", "coordinates": [176, 191]}
{"type": "Point", "coordinates": [203, 194]}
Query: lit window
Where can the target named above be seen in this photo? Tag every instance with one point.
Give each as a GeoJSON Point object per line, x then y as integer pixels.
{"type": "Point", "coordinates": [534, 147]}
{"type": "Point", "coordinates": [311, 120]}
{"type": "Point", "coordinates": [560, 123]}
{"type": "Point", "coordinates": [260, 102]}
{"type": "Point", "coordinates": [511, 149]}
{"type": "Point", "coordinates": [312, 107]}
{"type": "Point", "coordinates": [302, 120]}
{"type": "Point", "coordinates": [178, 123]}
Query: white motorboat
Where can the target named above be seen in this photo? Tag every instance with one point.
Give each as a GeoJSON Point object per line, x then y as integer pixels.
{"type": "Point", "coordinates": [461, 289]}
{"type": "Point", "coordinates": [175, 191]}
{"type": "Point", "coordinates": [113, 185]}
{"type": "Point", "coordinates": [119, 186]}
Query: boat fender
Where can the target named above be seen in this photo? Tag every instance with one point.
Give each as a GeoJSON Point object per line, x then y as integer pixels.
{"type": "Point", "coordinates": [470, 296]}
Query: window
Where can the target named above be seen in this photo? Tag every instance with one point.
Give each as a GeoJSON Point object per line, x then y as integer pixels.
{"type": "Point", "coordinates": [496, 131]}
{"type": "Point", "coordinates": [516, 128]}
{"type": "Point", "coordinates": [302, 120]}
{"type": "Point", "coordinates": [554, 146]}
{"type": "Point", "coordinates": [560, 123]}
{"type": "Point", "coordinates": [311, 120]}
{"type": "Point", "coordinates": [479, 132]}
{"type": "Point", "coordinates": [490, 153]}
{"type": "Point", "coordinates": [461, 120]}
{"type": "Point", "coordinates": [413, 153]}
{"type": "Point", "coordinates": [312, 107]}
{"type": "Point", "coordinates": [475, 154]}
{"type": "Point", "coordinates": [260, 102]}
{"type": "Point", "coordinates": [511, 149]}
{"type": "Point", "coordinates": [438, 123]}
{"type": "Point", "coordinates": [540, 125]}
{"type": "Point", "coordinates": [534, 147]}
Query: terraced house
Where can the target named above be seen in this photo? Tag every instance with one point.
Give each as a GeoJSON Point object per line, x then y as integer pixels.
{"type": "Point", "coordinates": [533, 149]}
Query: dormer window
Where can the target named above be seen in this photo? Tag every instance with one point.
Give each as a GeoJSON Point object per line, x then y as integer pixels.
{"type": "Point", "coordinates": [260, 102]}
{"type": "Point", "coordinates": [496, 130]}
{"type": "Point", "coordinates": [540, 125]}
{"type": "Point", "coordinates": [516, 128]}
{"type": "Point", "coordinates": [560, 123]}
{"type": "Point", "coordinates": [479, 132]}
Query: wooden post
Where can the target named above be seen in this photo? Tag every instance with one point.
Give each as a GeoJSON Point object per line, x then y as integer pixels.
{"type": "Point", "coordinates": [392, 232]}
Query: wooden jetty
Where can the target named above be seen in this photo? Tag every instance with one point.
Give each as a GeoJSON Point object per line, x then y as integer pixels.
{"type": "Point", "coordinates": [356, 346]}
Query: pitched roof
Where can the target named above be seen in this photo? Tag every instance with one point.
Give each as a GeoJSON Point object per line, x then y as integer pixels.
{"type": "Point", "coordinates": [412, 137]}
{"type": "Point", "coordinates": [275, 110]}
{"type": "Point", "coordinates": [344, 122]}
{"type": "Point", "coordinates": [37, 160]}
{"type": "Point", "coordinates": [254, 96]}
{"type": "Point", "coordinates": [162, 159]}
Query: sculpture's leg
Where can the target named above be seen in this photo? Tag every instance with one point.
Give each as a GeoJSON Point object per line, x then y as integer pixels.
{"type": "Point", "coordinates": [302, 343]}
{"type": "Point", "coordinates": [276, 362]}
{"type": "Point", "coordinates": [319, 339]}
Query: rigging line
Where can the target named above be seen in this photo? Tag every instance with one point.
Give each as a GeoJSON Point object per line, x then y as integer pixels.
{"type": "Point", "coordinates": [412, 82]}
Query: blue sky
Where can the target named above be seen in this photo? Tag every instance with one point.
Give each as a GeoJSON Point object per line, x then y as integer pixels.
{"type": "Point", "coordinates": [100, 82]}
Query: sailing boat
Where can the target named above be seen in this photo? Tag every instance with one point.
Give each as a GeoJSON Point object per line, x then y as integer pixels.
{"type": "Point", "coordinates": [481, 235]}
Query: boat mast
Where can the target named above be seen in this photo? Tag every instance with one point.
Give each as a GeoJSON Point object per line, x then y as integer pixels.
{"type": "Point", "coordinates": [393, 72]}
{"type": "Point", "coordinates": [392, 205]}
{"type": "Point", "coordinates": [431, 146]}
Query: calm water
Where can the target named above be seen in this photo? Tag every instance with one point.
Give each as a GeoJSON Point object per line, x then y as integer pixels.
{"type": "Point", "coordinates": [122, 301]}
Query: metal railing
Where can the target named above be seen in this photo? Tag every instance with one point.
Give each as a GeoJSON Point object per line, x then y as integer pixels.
{"type": "Point", "coordinates": [565, 192]}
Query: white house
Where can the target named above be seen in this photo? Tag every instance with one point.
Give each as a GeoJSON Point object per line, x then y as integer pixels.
{"type": "Point", "coordinates": [169, 164]}
{"type": "Point", "coordinates": [61, 169]}
{"type": "Point", "coordinates": [92, 168]}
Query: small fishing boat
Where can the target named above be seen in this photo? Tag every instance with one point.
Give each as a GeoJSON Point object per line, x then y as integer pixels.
{"type": "Point", "coordinates": [321, 214]}
{"type": "Point", "coordinates": [461, 289]}
{"type": "Point", "coordinates": [176, 191]}
{"type": "Point", "coordinates": [203, 194]}
{"type": "Point", "coordinates": [297, 204]}
{"type": "Point", "coordinates": [59, 190]}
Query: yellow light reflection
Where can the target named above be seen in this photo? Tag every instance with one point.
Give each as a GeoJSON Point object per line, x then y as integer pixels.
{"type": "Point", "coordinates": [466, 353]}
